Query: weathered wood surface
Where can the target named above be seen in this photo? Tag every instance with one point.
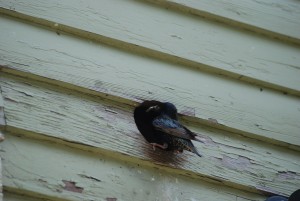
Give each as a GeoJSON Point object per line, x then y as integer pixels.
{"type": "Point", "coordinates": [82, 175]}
{"type": "Point", "coordinates": [1, 180]}
{"type": "Point", "coordinates": [180, 38]}
{"type": "Point", "coordinates": [243, 108]}
{"type": "Point", "coordinates": [34, 107]}
{"type": "Point", "coordinates": [280, 19]}
{"type": "Point", "coordinates": [242, 124]}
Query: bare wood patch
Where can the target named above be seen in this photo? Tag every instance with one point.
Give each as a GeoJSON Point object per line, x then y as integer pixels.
{"type": "Point", "coordinates": [71, 186]}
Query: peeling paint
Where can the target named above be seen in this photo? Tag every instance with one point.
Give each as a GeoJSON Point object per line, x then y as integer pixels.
{"type": "Point", "coordinates": [267, 190]}
{"type": "Point", "coordinates": [111, 199]}
{"type": "Point", "coordinates": [207, 140]}
{"type": "Point", "coordinates": [71, 186]}
{"type": "Point", "coordinates": [240, 163]}
{"type": "Point", "coordinates": [189, 111]}
{"type": "Point", "coordinates": [288, 175]}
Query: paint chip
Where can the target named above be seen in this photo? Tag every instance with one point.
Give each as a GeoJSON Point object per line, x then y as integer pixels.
{"type": "Point", "coordinates": [71, 186]}
{"type": "Point", "coordinates": [289, 175]}
{"type": "Point", "coordinates": [240, 163]}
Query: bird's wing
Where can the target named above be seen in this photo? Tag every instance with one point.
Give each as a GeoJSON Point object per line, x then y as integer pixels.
{"type": "Point", "coordinates": [172, 127]}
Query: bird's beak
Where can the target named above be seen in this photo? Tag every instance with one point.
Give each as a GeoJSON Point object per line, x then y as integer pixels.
{"type": "Point", "coordinates": [156, 107]}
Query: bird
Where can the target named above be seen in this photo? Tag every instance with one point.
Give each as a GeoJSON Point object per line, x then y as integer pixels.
{"type": "Point", "coordinates": [158, 123]}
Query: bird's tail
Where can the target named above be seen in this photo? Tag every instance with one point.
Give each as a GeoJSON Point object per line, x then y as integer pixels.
{"type": "Point", "coordinates": [194, 150]}
{"type": "Point", "coordinates": [190, 147]}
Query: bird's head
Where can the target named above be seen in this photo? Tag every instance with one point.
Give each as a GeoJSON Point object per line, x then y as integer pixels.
{"type": "Point", "coordinates": [169, 108]}
{"type": "Point", "coordinates": [154, 108]}
{"type": "Point", "coordinates": [165, 108]}
{"type": "Point", "coordinates": [149, 109]}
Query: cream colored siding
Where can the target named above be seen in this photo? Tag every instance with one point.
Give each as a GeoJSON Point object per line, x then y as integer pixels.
{"type": "Point", "coordinates": [72, 72]}
{"type": "Point", "coordinates": [275, 18]}
{"type": "Point", "coordinates": [177, 37]}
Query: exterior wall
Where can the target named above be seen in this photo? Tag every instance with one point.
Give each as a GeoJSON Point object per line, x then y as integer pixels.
{"type": "Point", "coordinates": [72, 73]}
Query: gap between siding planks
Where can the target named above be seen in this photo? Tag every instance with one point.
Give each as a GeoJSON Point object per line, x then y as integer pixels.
{"type": "Point", "coordinates": [231, 160]}
{"type": "Point", "coordinates": [248, 59]}
{"type": "Point", "coordinates": [213, 100]}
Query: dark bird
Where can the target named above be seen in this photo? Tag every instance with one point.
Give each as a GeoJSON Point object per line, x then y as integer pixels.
{"type": "Point", "coordinates": [159, 125]}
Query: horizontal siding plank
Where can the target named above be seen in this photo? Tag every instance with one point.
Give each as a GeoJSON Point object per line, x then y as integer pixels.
{"type": "Point", "coordinates": [230, 159]}
{"type": "Point", "coordinates": [62, 172]}
{"type": "Point", "coordinates": [280, 19]}
{"type": "Point", "coordinates": [243, 108]}
{"type": "Point", "coordinates": [172, 36]}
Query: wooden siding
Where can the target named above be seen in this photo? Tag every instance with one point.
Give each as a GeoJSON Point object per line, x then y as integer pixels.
{"type": "Point", "coordinates": [265, 17]}
{"type": "Point", "coordinates": [74, 177]}
{"type": "Point", "coordinates": [1, 179]}
{"type": "Point", "coordinates": [208, 98]}
{"type": "Point", "coordinates": [185, 39]}
{"type": "Point", "coordinates": [72, 72]}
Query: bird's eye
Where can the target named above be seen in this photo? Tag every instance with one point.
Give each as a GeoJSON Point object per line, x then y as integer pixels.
{"type": "Point", "coordinates": [153, 108]}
